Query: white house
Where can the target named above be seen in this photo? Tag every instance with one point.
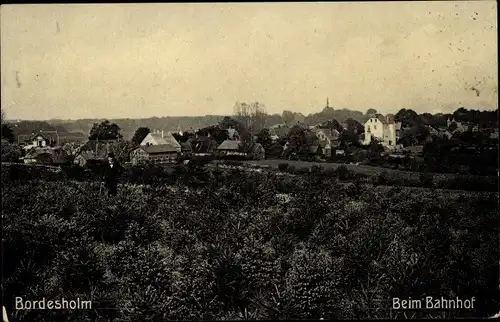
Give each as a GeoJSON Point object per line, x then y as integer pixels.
{"type": "Point", "coordinates": [382, 128]}
{"type": "Point", "coordinates": [160, 138]}
{"type": "Point", "coordinates": [37, 141]}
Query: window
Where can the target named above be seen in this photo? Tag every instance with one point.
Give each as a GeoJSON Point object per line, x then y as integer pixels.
{"type": "Point", "coordinates": [368, 128]}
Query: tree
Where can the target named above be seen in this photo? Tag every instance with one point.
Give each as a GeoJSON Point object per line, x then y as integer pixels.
{"type": "Point", "coordinates": [216, 132]}
{"type": "Point", "coordinates": [408, 118]}
{"type": "Point", "coordinates": [332, 125]}
{"type": "Point", "coordinates": [252, 116]}
{"type": "Point", "coordinates": [354, 126]}
{"type": "Point", "coordinates": [371, 111]}
{"type": "Point", "coordinates": [375, 149]}
{"type": "Point", "coordinates": [349, 138]}
{"type": "Point", "coordinates": [300, 139]}
{"type": "Point", "coordinates": [453, 126]}
{"type": "Point", "coordinates": [182, 138]}
{"type": "Point", "coordinates": [288, 117]}
{"type": "Point", "coordinates": [414, 136]}
{"type": "Point", "coordinates": [264, 138]}
{"type": "Point", "coordinates": [10, 152]}
{"type": "Point", "coordinates": [140, 134]}
{"type": "Point", "coordinates": [105, 131]}
{"type": "Point", "coordinates": [7, 132]}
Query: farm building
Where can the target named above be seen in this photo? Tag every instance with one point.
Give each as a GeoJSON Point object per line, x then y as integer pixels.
{"type": "Point", "coordinates": [161, 138]}
{"type": "Point", "coordinates": [163, 153]}
{"type": "Point", "coordinates": [328, 139]}
{"type": "Point", "coordinates": [40, 140]}
{"type": "Point", "coordinates": [230, 147]}
{"type": "Point", "coordinates": [45, 156]}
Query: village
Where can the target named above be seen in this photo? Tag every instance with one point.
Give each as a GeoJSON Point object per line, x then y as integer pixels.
{"type": "Point", "coordinates": [392, 138]}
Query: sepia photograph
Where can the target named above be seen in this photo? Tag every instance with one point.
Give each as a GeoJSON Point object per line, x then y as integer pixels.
{"type": "Point", "coordinates": [250, 161]}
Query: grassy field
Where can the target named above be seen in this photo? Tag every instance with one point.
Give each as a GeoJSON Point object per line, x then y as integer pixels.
{"type": "Point", "coordinates": [363, 169]}
{"type": "Point", "coordinates": [247, 245]}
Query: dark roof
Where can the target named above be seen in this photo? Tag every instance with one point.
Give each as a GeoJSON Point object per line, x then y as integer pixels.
{"type": "Point", "coordinates": [229, 145]}
{"type": "Point", "coordinates": [388, 119]}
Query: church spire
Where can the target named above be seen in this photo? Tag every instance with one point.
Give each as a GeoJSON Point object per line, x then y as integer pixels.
{"type": "Point", "coordinates": [327, 102]}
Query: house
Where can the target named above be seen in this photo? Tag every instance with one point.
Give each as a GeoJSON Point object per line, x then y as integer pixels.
{"type": "Point", "coordinates": [381, 128]}
{"type": "Point", "coordinates": [40, 140]}
{"type": "Point", "coordinates": [163, 153]}
{"type": "Point", "coordinates": [161, 138]}
{"type": "Point", "coordinates": [257, 152]}
{"type": "Point", "coordinates": [328, 139]}
{"type": "Point", "coordinates": [46, 155]}
{"type": "Point", "coordinates": [230, 147]}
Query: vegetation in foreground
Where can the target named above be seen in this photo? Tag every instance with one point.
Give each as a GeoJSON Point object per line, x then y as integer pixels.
{"type": "Point", "coordinates": [247, 246]}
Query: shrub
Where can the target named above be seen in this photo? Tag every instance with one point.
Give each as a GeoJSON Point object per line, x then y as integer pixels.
{"type": "Point", "coordinates": [316, 169]}
{"type": "Point", "coordinates": [343, 173]}
{"type": "Point", "coordinates": [426, 179]}
{"type": "Point", "coordinates": [382, 178]}
{"type": "Point", "coordinates": [283, 167]}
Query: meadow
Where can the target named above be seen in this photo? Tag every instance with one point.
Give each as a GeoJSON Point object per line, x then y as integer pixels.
{"type": "Point", "coordinates": [229, 245]}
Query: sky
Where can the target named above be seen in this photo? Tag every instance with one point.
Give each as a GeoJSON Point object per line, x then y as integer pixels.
{"type": "Point", "coordinates": [142, 60]}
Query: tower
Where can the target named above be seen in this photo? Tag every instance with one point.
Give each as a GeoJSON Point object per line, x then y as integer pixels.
{"type": "Point", "coordinates": [327, 102]}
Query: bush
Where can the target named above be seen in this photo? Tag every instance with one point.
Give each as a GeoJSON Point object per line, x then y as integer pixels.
{"type": "Point", "coordinates": [317, 169]}
{"type": "Point", "coordinates": [246, 246]}
{"type": "Point", "coordinates": [343, 173]}
{"type": "Point", "coordinates": [283, 167]}
{"type": "Point", "coordinates": [382, 178]}
{"type": "Point", "coordinates": [426, 179]}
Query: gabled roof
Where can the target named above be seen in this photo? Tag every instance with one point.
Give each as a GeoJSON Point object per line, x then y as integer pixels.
{"type": "Point", "coordinates": [388, 119]}
{"type": "Point", "coordinates": [331, 134]}
{"type": "Point", "coordinates": [166, 139]}
{"type": "Point", "coordinates": [229, 145]}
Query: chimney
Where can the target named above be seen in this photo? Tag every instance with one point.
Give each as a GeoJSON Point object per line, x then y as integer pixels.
{"type": "Point", "coordinates": [162, 133]}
